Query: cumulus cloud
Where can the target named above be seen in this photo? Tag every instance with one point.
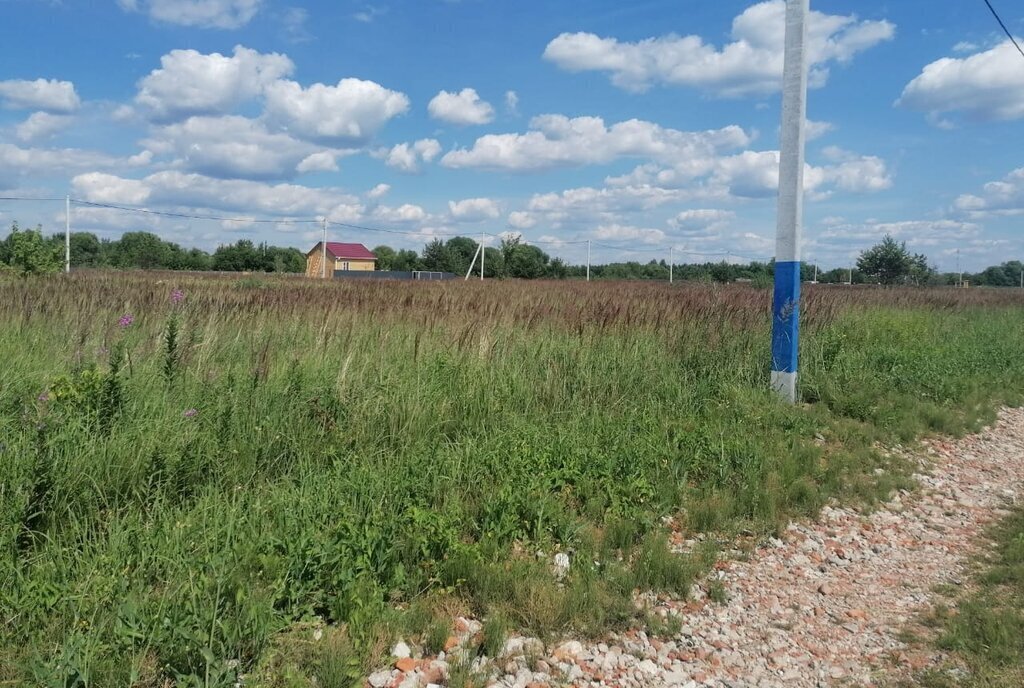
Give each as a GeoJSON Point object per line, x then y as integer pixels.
{"type": "Point", "coordinates": [40, 161]}
{"type": "Point", "coordinates": [755, 174]}
{"type": "Point", "coordinates": [521, 220]}
{"type": "Point", "coordinates": [321, 161]}
{"type": "Point", "coordinates": [407, 212]}
{"type": "Point", "coordinates": [47, 95]}
{"type": "Point", "coordinates": [378, 191]}
{"type": "Point", "coordinates": [192, 83]}
{"type": "Point", "coordinates": [473, 210]}
{"type": "Point", "coordinates": [210, 14]}
{"type": "Point", "coordinates": [172, 188]}
{"type": "Point", "coordinates": [701, 220]}
{"type": "Point", "coordinates": [349, 113]}
{"type": "Point", "coordinates": [230, 146]}
{"type": "Point", "coordinates": [815, 130]}
{"type": "Point", "coordinates": [558, 141]}
{"type": "Point", "coordinates": [464, 107]}
{"type": "Point", "coordinates": [617, 232]}
{"type": "Point", "coordinates": [985, 86]}
{"type": "Point", "coordinates": [41, 125]}
{"type": "Point", "coordinates": [1003, 197]}
{"type": "Point", "coordinates": [915, 232]}
{"type": "Point", "coordinates": [749, 65]}
{"type": "Point", "coordinates": [409, 157]}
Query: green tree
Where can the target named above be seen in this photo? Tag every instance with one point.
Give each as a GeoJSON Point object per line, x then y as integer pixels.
{"type": "Point", "coordinates": [385, 257]}
{"type": "Point", "coordinates": [27, 252]}
{"type": "Point", "coordinates": [140, 250]}
{"type": "Point", "coordinates": [889, 261]}
{"type": "Point", "coordinates": [436, 257]}
{"type": "Point", "coordinates": [460, 254]}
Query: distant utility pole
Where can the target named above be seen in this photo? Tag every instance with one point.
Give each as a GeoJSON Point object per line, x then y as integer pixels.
{"type": "Point", "coordinates": [671, 260]}
{"type": "Point", "coordinates": [323, 250]}
{"type": "Point", "coordinates": [960, 279]}
{"type": "Point", "coordinates": [786, 299]}
{"type": "Point", "coordinates": [483, 236]}
{"type": "Point", "coordinates": [588, 260]}
{"type": "Point", "coordinates": [849, 279]}
{"type": "Point", "coordinates": [67, 234]}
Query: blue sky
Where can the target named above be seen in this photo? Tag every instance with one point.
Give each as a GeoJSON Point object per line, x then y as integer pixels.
{"type": "Point", "coordinates": [639, 126]}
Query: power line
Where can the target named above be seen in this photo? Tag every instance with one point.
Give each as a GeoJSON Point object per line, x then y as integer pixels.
{"type": "Point", "coordinates": [1005, 30]}
{"type": "Point", "coordinates": [26, 198]}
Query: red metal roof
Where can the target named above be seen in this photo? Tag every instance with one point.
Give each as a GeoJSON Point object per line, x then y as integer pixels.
{"type": "Point", "coordinates": [350, 251]}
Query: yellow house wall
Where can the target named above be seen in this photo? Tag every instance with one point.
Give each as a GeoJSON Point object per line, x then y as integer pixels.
{"type": "Point", "coordinates": [354, 264]}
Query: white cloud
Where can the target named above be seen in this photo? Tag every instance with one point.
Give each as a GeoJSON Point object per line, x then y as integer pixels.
{"type": "Point", "coordinates": [512, 102]}
{"type": "Point", "coordinates": [23, 162]}
{"type": "Point", "coordinates": [378, 191]}
{"type": "Point", "coordinates": [171, 188]}
{"type": "Point", "coordinates": [211, 14]}
{"type": "Point", "coordinates": [322, 161]}
{"type": "Point", "coordinates": [230, 146]}
{"type": "Point", "coordinates": [701, 221]}
{"type": "Point", "coordinates": [192, 83]}
{"type": "Point", "coordinates": [617, 232]}
{"type": "Point", "coordinates": [98, 187]}
{"type": "Point", "coordinates": [986, 86]}
{"type": "Point", "coordinates": [558, 141]}
{"type": "Point", "coordinates": [409, 157]}
{"type": "Point", "coordinates": [407, 212]}
{"type": "Point", "coordinates": [473, 210]}
{"type": "Point", "coordinates": [815, 130]}
{"type": "Point", "coordinates": [966, 47]}
{"type": "Point", "coordinates": [917, 233]}
{"type": "Point", "coordinates": [350, 113]}
{"type": "Point", "coordinates": [48, 95]}
{"type": "Point", "coordinates": [750, 65]}
{"type": "Point", "coordinates": [999, 198]}
{"type": "Point", "coordinates": [521, 220]}
{"type": "Point", "coordinates": [41, 125]}
{"type": "Point", "coordinates": [464, 107]}
{"type": "Point", "coordinates": [755, 174]}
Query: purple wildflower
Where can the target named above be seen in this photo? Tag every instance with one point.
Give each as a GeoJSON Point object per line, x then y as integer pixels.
{"type": "Point", "coordinates": [177, 296]}
{"type": "Point", "coordinates": [126, 320]}
{"type": "Point", "coordinates": [45, 396]}
{"type": "Point", "coordinates": [191, 413]}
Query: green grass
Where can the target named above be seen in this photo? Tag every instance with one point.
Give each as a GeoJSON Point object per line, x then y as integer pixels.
{"type": "Point", "coordinates": [986, 633]}
{"type": "Point", "coordinates": [376, 455]}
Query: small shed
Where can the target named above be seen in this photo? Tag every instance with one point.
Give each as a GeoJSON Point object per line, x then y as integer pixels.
{"type": "Point", "coordinates": [339, 257]}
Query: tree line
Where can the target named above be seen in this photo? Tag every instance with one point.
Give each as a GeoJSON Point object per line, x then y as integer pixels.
{"type": "Point", "coordinates": [28, 251]}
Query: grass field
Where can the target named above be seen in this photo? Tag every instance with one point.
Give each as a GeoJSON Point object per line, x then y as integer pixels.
{"type": "Point", "coordinates": [183, 488]}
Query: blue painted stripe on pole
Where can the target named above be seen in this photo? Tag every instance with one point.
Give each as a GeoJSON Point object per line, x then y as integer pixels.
{"type": "Point", "coordinates": [786, 317]}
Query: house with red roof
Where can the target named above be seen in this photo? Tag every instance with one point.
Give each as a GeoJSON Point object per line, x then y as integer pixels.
{"type": "Point", "coordinates": [339, 257]}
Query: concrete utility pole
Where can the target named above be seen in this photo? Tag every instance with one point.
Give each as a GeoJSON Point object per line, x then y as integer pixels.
{"type": "Point", "coordinates": [960, 279]}
{"type": "Point", "coordinates": [588, 260]}
{"type": "Point", "coordinates": [67, 234]}
{"type": "Point", "coordinates": [323, 250]}
{"type": "Point", "coordinates": [482, 251]}
{"type": "Point", "coordinates": [671, 260]}
{"type": "Point", "coordinates": [786, 299]}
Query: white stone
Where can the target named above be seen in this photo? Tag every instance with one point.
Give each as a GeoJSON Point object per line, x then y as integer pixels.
{"type": "Point", "coordinates": [401, 650]}
{"type": "Point", "coordinates": [379, 679]}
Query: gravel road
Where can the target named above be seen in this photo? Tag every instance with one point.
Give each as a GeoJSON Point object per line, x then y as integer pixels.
{"type": "Point", "coordinates": [824, 605]}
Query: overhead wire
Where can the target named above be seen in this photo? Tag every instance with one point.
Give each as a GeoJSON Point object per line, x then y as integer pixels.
{"type": "Point", "coordinates": [1003, 25]}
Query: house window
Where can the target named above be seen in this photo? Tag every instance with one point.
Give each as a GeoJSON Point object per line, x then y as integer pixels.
{"type": "Point", "coordinates": [344, 265]}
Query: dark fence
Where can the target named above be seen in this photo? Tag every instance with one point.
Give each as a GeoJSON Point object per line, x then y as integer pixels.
{"type": "Point", "coordinates": [394, 274]}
